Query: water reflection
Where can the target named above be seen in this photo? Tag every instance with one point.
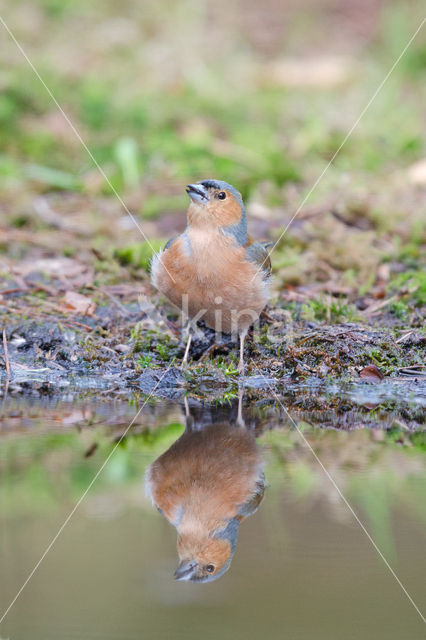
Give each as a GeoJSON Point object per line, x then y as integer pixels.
{"type": "Point", "coordinates": [205, 484]}
{"type": "Point", "coordinates": [299, 548]}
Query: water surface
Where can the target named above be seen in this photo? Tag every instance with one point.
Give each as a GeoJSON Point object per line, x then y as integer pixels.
{"type": "Point", "coordinates": [303, 568]}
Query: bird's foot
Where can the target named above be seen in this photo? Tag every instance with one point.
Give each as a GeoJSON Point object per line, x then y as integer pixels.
{"type": "Point", "coordinates": [216, 346]}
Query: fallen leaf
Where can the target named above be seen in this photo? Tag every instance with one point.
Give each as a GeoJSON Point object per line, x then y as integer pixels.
{"type": "Point", "coordinates": [78, 303]}
{"type": "Point", "coordinates": [371, 374]}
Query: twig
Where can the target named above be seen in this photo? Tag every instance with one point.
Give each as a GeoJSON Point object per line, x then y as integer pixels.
{"type": "Point", "coordinates": [312, 335]}
{"type": "Point", "coordinates": [412, 366]}
{"type": "Point", "coordinates": [406, 335]}
{"type": "Point", "coordinates": [34, 286]}
{"type": "Point", "coordinates": [74, 323]}
{"type": "Point", "coordinates": [6, 292]}
{"type": "Point", "coordinates": [37, 286]}
{"type": "Point", "coordinates": [377, 307]}
{"type": "Point", "coordinates": [6, 357]}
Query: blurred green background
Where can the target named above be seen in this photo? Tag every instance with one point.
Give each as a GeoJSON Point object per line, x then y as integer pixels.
{"type": "Point", "coordinates": [163, 91]}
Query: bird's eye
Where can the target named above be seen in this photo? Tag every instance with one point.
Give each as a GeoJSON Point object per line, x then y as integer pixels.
{"type": "Point", "coordinates": [221, 195]}
{"type": "Point", "coordinates": [210, 568]}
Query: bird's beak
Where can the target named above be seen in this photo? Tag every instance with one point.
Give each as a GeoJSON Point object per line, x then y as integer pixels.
{"type": "Point", "coordinates": [185, 571]}
{"type": "Point", "coordinates": [197, 193]}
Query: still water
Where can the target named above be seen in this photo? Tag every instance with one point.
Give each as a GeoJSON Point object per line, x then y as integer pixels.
{"type": "Point", "coordinates": [247, 537]}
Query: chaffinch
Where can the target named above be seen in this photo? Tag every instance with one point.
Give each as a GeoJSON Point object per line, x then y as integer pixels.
{"type": "Point", "coordinates": [214, 271]}
{"type": "Point", "coordinates": [205, 484]}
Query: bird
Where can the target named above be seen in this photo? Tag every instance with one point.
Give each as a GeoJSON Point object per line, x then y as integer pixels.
{"type": "Point", "coordinates": [214, 271]}
{"type": "Point", "coordinates": [205, 484]}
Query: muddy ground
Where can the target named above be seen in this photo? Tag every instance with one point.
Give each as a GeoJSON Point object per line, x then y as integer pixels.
{"type": "Point", "coordinates": [338, 375]}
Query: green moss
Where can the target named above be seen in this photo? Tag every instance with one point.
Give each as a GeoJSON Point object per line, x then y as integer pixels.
{"type": "Point", "coordinates": [334, 311]}
{"type": "Point", "coordinates": [155, 346]}
{"type": "Point", "coordinates": [227, 368]}
{"type": "Point", "coordinates": [144, 361]}
{"type": "Point", "coordinates": [399, 309]}
{"type": "Point", "coordinates": [411, 284]}
{"type": "Point", "coordinates": [138, 255]}
{"type": "Point", "coordinates": [163, 349]}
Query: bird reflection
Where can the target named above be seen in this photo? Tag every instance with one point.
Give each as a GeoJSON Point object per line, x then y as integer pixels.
{"type": "Point", "coordinates": [205, 484]}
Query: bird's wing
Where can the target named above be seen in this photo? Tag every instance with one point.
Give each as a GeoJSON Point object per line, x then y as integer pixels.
{"type": "Point", "coordinates": [170, 242]}
{"type": "Point", "coordinates": [251, 505]}
{"type": "Point", "coordinates": [257, 252]}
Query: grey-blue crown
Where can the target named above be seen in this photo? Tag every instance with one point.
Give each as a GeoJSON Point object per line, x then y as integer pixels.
{"type": "Point", "coordinates": [221, 184]}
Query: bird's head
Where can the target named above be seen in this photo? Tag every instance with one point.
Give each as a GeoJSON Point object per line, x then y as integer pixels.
{"type": "Point", "coordinates": [204, 558]}
{"type": "Point", "coordinates": [215, 203]}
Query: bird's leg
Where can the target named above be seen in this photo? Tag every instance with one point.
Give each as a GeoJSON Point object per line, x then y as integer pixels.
{"type": "Point", "coordinates": [186, 405]}
{"type": "Point", "coordinates": [189, 420]}
{"type": "Point", "coordinates": [240, 419]}
{"type": "Point", "coordinates": [188, 344]}
{"type": "Point", "coordinates": [241, 365]}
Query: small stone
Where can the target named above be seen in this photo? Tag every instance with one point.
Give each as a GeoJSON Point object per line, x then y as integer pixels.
{"type": "Point", "coordinates": [371, 374]}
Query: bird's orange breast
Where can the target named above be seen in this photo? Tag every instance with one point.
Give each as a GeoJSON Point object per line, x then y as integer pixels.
{"type": "Point", "coordinates": [202, 480]}
{"type": "Point", "coordinates": [207, 271]}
